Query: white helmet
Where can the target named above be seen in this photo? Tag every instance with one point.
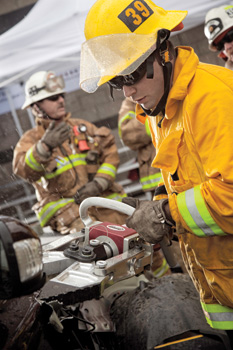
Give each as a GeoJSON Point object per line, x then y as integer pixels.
{"type": "Point", "coordinates": [41, 85]}
{"type": "Point", "coordinates": [217, 21]}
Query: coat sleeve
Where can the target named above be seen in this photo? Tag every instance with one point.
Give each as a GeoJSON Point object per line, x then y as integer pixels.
{"type": "Point", "coordinates": [207, 208]}
{"type": "Point", "coordinates": [134, 134]}
{"type": "Point", "coordinates": [27, 163]}
{"type": "Point", "coordinates": [109, 158]}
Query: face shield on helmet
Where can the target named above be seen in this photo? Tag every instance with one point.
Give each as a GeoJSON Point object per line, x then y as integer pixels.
{"type": "Point", "coordinates": [217, 21]}
{"type": "Point", "coordinates": [42, 85]}
{"type": "Point", "coordinates": [121, 35]}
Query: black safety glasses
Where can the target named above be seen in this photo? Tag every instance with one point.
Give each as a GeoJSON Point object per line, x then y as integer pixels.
{"type": "Point", "coordinates": [227, 39]}
{"type": "Point", "coordinates": [119, 81]}
{"type": "Point", "coordinates": [55, 97]}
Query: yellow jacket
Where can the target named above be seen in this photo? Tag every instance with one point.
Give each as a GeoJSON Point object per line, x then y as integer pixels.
{"type": "Point", "coordinates": [194, 150]}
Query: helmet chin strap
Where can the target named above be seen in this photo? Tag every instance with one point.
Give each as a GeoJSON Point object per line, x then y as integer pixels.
{"type": "Point", "coordinates": [44, 115]}
{"type": "Point", "coordinates": [164, 61]}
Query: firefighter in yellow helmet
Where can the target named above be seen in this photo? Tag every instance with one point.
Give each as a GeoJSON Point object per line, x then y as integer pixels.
{"type": "Point", "coordinates": [189, 108]}
{"type": "Point", "coordinates": [219, 32]}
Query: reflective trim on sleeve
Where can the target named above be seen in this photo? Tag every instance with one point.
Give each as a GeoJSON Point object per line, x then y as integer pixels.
{"type": "Point", "coordinates": [147, 127]}
{"type": "Point", "coordinates": [108, 169]}
{"type": "Point", "coordinates": [218, 316]}
{"type": "Point", "coordinates": [193, 209]}
{"type": "Point", "coordinates": [64, 164]}
{"type": "Point", "coordinates": [159, 272]}
{"type": "Point", "coordinates": [116, 196]}
{"type": "Point", "coordinates": [51, 208]}
{"type": "Point", "coordinates": [31, 162]}
{"type": "Point", "coordinates": [151, 181]}
{"type": "Point", "coordinates": [129, 115]}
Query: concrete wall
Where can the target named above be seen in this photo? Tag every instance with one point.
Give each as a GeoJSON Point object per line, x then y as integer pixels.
{"type": "Point", "coordinates": [97, 108]}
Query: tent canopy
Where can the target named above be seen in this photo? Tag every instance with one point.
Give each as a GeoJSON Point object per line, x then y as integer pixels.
{"type": "Point", "coordinates": [51, 35]}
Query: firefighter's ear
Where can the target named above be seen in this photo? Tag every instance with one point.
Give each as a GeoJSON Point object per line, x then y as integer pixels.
{"type": "Point", "coordinates": [21, 267]}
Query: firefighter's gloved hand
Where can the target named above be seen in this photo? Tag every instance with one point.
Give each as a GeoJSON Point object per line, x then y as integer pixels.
{"type": "Point", "coordinates": [55, 135]}
{"type": "Point", "coordinates": [91, 189]}
{"type": "Point", "coordinates": [151, 219]}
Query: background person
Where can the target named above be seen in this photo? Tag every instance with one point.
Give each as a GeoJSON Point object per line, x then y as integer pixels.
{"type": "Point", "coordinates": [189, 107]}
{"type": "Point", "coordinates": [137, 137]}
{"type": "Point", "coordinates": [65, 159]}
{"type": "Point", "coordinates": [219, 32]}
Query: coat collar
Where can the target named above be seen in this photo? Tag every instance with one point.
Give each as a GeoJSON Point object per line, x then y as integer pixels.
{"type": "Point", "coordinates": [184, 71]}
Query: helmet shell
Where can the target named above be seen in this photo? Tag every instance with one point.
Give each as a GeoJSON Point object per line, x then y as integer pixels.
{"type": "Point", "coordinates": [41, 85]}
{"type": "Point", "coordinates": [217, 21]}
{"type": "Point", "coordinates": [121, 34]}
{"type": "Point", "coordinates": [126, 16]}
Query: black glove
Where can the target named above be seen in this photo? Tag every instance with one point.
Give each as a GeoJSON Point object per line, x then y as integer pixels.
{"type": "Point", "coordinates": [91, 189]}
{"type": "Point", "coordinates": [150, 219]}
{"type": "Point", "coordinates": [55, 135]}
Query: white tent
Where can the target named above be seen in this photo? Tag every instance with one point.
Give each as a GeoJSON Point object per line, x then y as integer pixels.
{"type": "Point", "coordinates": [52, 32]}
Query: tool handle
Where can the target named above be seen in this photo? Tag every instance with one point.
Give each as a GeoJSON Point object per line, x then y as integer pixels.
{"type": "Point", "coordinates": [125, 209]}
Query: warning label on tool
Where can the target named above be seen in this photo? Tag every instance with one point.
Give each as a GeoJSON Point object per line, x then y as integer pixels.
{"type": "Point", "coordinates": [116, 228]}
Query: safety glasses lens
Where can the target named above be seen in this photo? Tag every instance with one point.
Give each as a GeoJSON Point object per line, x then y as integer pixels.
{"type": "Point", "coordinates": [119, 81]}
{"type": "Point", "coordinates": [55, 97]}
{"type": "Point", "coordinates": [227, 39]}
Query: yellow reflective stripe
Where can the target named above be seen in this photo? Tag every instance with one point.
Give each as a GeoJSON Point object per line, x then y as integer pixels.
{"type": "Point", "coordinates": [193, 209]}
{"type": "Point", "coordinates": [116, 196]}
{"type": "Point", "coordinates": [218, 316]}
{"type": "Point", "coordinates": [63, 169]}
{"type": "Point", "coordinates": [147, 127]}
{"type": "Point", "coordinates": [63, 164]}
{"type": "Point", "coordinates": [129, 115]}
{"type": "Point", "coordinates": [31, 162]}
{"type": "Point", "coordinates": [159, 272]}
{"type": "Point", "coordinates": [77, 156]}
{"type": "Point", "coordinates": [150, 181]}
{"type": "Point", "coordinates": [50, 209]}
{"type": "Point", "coordinates": [108, 169]}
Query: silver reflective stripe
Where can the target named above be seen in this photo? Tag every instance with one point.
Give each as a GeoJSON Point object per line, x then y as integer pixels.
{"type": "Point", "coordinates": [221, 316]}
{"type": "Point", "coordinates": [51, 208]}
{"type": "Point", "coordinates": [31, 162]}
{"type": "Point", "coordinates": [218, 316]}
{"type": "Point", "coordinates": [190, 202]}
{"type": "Point", "coordinates": [161, 270]}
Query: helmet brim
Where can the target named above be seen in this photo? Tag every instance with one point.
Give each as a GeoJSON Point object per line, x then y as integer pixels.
{"type": "Point", "coordinates": [105, 56]}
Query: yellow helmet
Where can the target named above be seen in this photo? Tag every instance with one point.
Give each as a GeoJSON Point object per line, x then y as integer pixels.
{"type": "Point", "coordinates": [121, 34]}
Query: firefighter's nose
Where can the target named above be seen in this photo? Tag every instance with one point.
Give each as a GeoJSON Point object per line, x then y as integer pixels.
{"type": "Point", "coordinates": [129, 90]}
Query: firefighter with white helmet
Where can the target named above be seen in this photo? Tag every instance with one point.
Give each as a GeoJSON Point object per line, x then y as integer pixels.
{"type": "Point", "coordinates": [65, 159]}
{"type": "Point", "coordinates": [188, 105]}
{"type": "Point", "coordinates": [219, 32]}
